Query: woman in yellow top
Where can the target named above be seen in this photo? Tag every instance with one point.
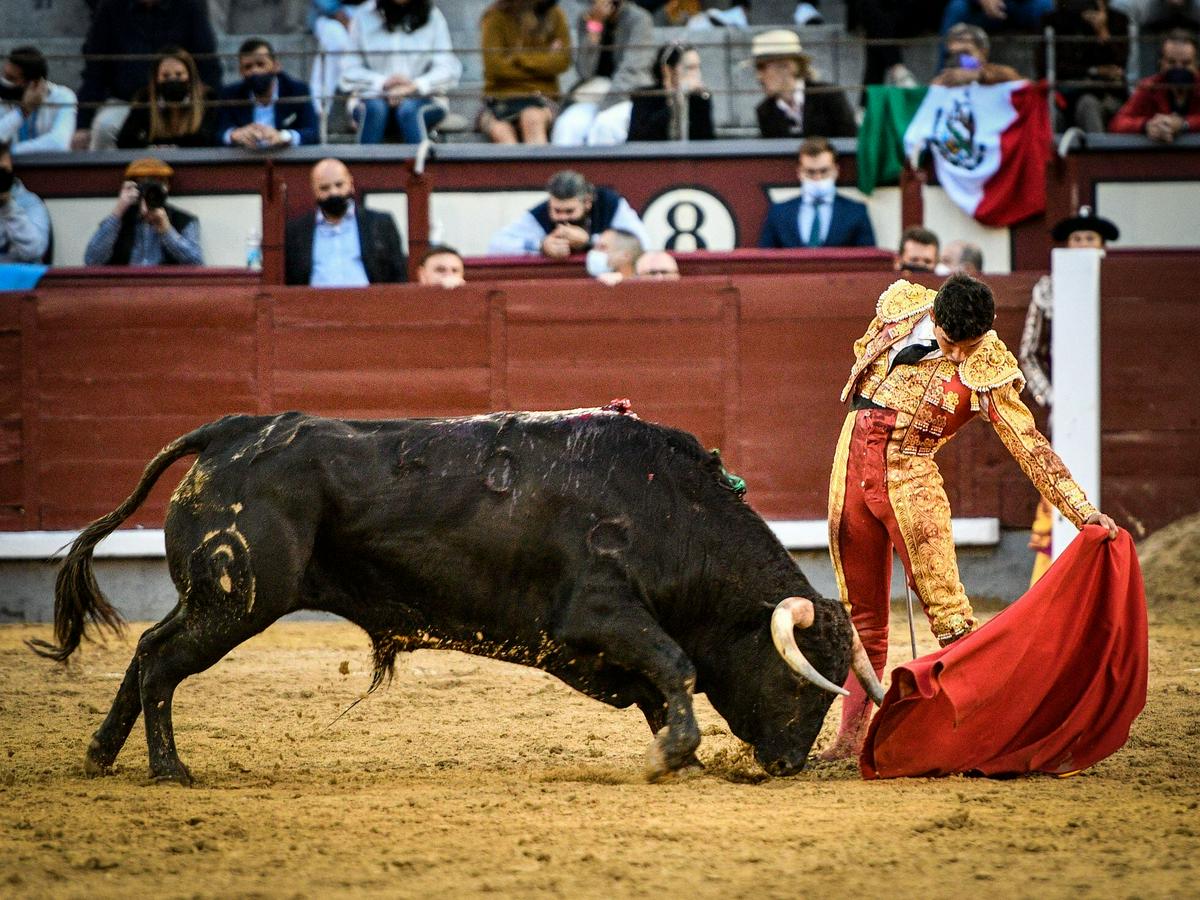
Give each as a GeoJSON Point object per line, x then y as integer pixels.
{"type": "Point", "coordinates": [526, 46]}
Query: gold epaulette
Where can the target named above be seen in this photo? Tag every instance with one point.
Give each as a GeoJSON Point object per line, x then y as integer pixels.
{"type": "Point", "coordinates": [990, 366]}
{"type": "Point", "coordinates": [903, 299]}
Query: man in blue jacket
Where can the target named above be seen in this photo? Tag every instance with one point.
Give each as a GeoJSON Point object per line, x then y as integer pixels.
{"type": "Point", "coordinates": [820, 216]}
{"type": "Point", "coordinates": [267, 108]}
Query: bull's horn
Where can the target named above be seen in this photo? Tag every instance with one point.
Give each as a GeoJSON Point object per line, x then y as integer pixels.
{"type": "Point", "coordinates": [797, 612]}
{"type": "Point", "coordinates": [860, 664]}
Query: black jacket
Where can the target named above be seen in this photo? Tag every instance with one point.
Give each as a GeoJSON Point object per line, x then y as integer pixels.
{"type": "Point", "coordinates": [650, 119]}
{"type": "Point", "coordinates": [129, 27]}
{"type": "Point", "coordinates": [826, 113]}
{"type": "Point", "coordinates": [295, 114]}
{"type": "Point", "coordinates": [378, 235]}
{"type": "Point", "coordinates": [136, 130]}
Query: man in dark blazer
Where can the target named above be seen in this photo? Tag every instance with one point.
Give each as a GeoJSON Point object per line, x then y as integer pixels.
{"type": "Point", "coordinates": [820, 216]}
{"type": "Point", "coordinates": [267, 108]}
{"type": "Point", "coordinates": [796, 104]}
{"type": "Point", "coordinates": [341, 244]}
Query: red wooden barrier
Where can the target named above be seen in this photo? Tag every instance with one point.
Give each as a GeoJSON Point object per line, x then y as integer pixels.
{"type": "Point", "coordinates": [94, 380]}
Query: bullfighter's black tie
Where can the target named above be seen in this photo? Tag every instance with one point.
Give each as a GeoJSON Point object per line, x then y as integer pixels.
{"type": "Point", "coordinates": [913, 354]}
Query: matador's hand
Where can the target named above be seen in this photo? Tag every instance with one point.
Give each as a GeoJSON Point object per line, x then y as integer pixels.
{"type": "Point", "coordinates": [1105, 522]}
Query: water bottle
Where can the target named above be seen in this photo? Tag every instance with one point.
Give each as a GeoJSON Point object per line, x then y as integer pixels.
{"type": "Point", "coordinates": [254, 250]}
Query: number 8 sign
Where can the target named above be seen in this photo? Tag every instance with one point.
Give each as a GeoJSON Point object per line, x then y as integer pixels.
{"type": "Point", "coordinates": [689, 218]}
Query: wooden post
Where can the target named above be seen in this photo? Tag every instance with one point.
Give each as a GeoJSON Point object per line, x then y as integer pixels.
{"type": "Point", "coordinates": [420, 186]}
{"type": "Point", "coordinates": [274, 223]}
{"type": "Point", "coordinates": [912, 204]}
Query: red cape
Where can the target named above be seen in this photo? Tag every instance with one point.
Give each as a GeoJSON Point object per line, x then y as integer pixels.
{"type": "Point", "coordinates": [1051, 684]}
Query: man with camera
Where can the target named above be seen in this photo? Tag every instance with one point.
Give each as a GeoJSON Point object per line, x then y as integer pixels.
{"type": "Point", "coordinates": [143, 229]}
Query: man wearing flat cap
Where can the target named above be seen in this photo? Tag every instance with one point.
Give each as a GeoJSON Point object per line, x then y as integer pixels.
{"type": "Point", "coordinates": [796, 104]}
{"type": "Point", "coordinates": [143, 229]}
{"type": "Point", "coordinates": [1084, 229]}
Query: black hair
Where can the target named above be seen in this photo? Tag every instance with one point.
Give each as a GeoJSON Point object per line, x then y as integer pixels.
{"type": "Point", "coordinates": [964, 307]}
{"type": "Point", "coordinates": [30, 61]}
{"type": "Point", "coordinates": [919, 235]}
{"type": "Point", "coordinates": [669, 55]}
{"type": "Point", "coordinates": [253, 45]}
{"type": "Point", "coordinates": [568, 184]}
{"type": "Point", "coordinates": [438, 250]}
{"type": "Point", "coordinates": [410, 17]}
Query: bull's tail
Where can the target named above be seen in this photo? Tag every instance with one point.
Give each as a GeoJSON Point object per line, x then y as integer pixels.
{"type": "Point", "coordinates": [77, 596]}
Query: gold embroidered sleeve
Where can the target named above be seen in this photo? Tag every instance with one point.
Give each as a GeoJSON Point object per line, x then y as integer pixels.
{"type": "Point", "coordinates": [861, 344]}
{"type": "Point", "coordinates": [1014, 424]}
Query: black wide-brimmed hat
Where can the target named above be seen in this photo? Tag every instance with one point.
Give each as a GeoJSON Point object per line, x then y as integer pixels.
{"type": "Point", "coordinates": [1085, 220]}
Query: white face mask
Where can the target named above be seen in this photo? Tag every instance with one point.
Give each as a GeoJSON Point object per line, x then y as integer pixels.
{"type": "Point", "coordinates": [941, 269]}
{"type": "Point", "coordinates": [818, 188]}
{"type": "Point", "coordinates": [597, 262]}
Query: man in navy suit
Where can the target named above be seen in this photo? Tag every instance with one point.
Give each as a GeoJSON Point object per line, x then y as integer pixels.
{"type": "Point", "coordinates": [820, 216]}
{"type": "Point", "coordinates": [267, 108]}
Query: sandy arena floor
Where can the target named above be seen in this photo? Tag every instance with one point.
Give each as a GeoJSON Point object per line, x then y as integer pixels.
{"type": "Point", "coordinates": [469, 776]}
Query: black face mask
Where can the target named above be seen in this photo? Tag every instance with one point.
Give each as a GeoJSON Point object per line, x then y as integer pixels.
{"type": "Point", "coordinates": [916, 269]}
{"type": "Point", "coordinates": [335, 205]}
{"type": "Point", "coordinates": [6, 180]}
{"type": "Point", "coordinates": [1178, 76]}
{"type": "Point", "coordinates": [260, 84]}
{"type": "Point", "coordinates": [9, 92]}
{"type": "Point", "coordinates": [173, 91]}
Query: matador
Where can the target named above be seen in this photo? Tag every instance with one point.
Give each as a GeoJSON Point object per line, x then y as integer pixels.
{"type": "Point", "coordinates": [929, 363]}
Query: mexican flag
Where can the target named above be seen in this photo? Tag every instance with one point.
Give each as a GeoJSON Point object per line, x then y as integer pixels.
{"type": "Point", "coordinates": [990, 144]}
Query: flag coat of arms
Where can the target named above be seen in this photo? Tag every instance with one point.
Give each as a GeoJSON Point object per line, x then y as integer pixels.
{"type": "Point", "coordinates": [990, 145]}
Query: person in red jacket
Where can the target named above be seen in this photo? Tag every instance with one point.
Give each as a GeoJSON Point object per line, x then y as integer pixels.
{"type": "Point", "coordinates": [1167, 104]}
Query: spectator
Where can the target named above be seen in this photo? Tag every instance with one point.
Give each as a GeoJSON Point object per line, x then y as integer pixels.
{"type": "Point", "coordinates": [614, 257]}
{"type": "Point", "coordinates": [24, 222]}
{"type": "Point", "coordinates": [121, 28]}
{"type": "Point", "coordinates": [143, 229]}
{"type": "Point", "coordinates": [918, 253]}
{"type": "Point", "coordinates": [569, 221]}
{"type": "Point", "coordinates": [656, 265]}
{"type": "Point", "coordinates": [36, 115]}
{"type": "Point", "coordinates": [613, 57]}
{"type": "Point", "coordinates": [660, 115]}
{"type": "Point", "coordinates": [526, 46]}
{"type": "Point", "coordinates": [960, 256]}
{"type": "Point", "coordinates": [340, 245]}
{"type": "Point", "coordinates": [1166, 104]}
{"type": "Point", "coordinates": [965, 50]}
{"type": "Point", "coordinates": [993, 15]}
{"type": "Point", "coordinates": [796, 104]}
{"type": "Point", "coordinates": [883, 19]}
{"type": "Point", "coordinates": [1094, 48]}
{"type": "Point", "coordinates": [174, 110]}
{"type": "Point", "coordinates": [441, 266]}
{"type": "Point", "coordinates": [329, 21]}
{"type": "Point", "coordinates": [275, 110]}
{"type": "Point", "coordinates": [1161, 16]}
{"type": "Point", "coordinates": [400, 64]}
{"type": "Point", "coordinates": [819, 217]}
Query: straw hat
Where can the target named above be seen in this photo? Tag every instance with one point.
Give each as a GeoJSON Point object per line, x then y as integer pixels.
{"type": "Point", "coordinates": [777, 44]}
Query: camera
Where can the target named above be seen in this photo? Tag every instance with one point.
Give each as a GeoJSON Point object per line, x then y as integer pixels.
{"type": "Point", "coordinates": [153, 193]}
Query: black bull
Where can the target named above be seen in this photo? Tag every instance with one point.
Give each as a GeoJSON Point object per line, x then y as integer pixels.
{"type": "Point", "coordinates": [608, 551]}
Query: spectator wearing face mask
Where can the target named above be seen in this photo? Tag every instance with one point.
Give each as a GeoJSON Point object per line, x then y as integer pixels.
{"type": "Point", "coordinates": [143, 229]}
{"type": "Point", "coordinates": [614, 257]}
{"type": "Point", "coordinates": [441, 266]}
{"type": "Point", "coordinates": [960, 256]}
{"type": "Point", "coordinates": [24, 222]}
{"type": "Point", "coordinates": [341, 244]}
{"type": "Point", "coordinates": [174, 110]}
{"type": "Point", "coordinates": [966, 49]}
{"type": "Point", "coordinates": [268, 108]}
{"type": "Point", "coordinates": [1167, 104]}
{"type": "Point", "coordinates": [36, 115]}
{"type": "Point", "coordinates": [820, 216]}
{"type": "Point", "coordinates": [918, 254]}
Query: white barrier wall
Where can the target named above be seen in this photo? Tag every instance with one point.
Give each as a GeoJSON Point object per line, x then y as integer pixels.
{"type": "Point", "coordinates": [1152, 213]}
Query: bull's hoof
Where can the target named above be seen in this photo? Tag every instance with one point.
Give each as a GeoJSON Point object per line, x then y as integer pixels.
{"type": "Point", "coordinates": [659, 766]}
{"type": "Point", "coordinates": [96, 763]}
{"type": "Point", "coordinates": [176, 773]}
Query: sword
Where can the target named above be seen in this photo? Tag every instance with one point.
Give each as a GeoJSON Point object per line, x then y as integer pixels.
{"type": "Point", "coordinates": [912, 631]}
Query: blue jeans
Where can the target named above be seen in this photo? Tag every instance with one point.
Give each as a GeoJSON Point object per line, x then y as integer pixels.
{"type": "Point", "coordinates": [1023, 15]}
{"type": "Point", "coordinates": [412, 117]}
